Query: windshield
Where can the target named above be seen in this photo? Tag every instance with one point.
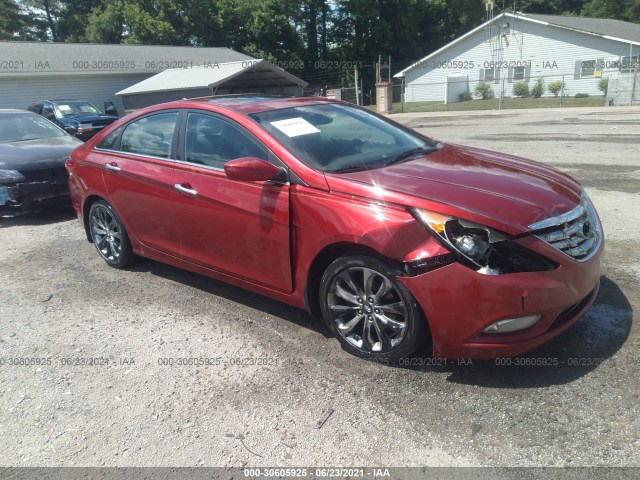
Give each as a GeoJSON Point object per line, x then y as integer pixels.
{"type": "Point", "coordinates": [17, 127]}
{"type": "Point", "coordinates": [76, 109]}
{"type": "Point", "coordinates": [335, 138]}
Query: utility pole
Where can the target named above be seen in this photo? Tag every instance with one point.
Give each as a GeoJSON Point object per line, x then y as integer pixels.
{"type": "Point", "coordinates": [355, 72]}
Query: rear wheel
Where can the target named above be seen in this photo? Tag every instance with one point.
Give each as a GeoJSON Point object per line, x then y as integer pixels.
{"type": "Point", "coordinates": [369, 311]}
{"type": "Point", "coordinates": [109, 235]}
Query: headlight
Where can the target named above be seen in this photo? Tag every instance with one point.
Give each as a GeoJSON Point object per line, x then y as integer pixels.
{"type": "Point", "coordinates": [480, 247]}
{"type": "Point", "coordinates": [85, 127]}
{"type": "Point", "coordinates": [11, 176]}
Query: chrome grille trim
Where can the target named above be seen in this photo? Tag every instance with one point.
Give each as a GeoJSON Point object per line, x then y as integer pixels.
{"type": "Point", "coordinates": [577, 233]}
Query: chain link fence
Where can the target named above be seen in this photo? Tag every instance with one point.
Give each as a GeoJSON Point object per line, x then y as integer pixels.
{"type": "Point", "coordinates": [460, 93]}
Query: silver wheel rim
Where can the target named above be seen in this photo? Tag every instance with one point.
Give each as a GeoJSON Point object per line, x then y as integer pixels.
{"type": "Point", "coordinates": [367, 310]}
{"type": "Point", "coordinates": [106, 233]}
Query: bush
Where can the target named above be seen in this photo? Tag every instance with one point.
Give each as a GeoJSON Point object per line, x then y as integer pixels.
{"type": "Point", "coordinates": [603, 85]}
{"type": "Point", "coordinates": [539, 88]}
{"type": "Point", "coordinates": [582, 95]}
{"type": "Point", "coordinates": [557, 87]}
{"type": "Point", "coordinates": [465, 96]}
{"type": "Point", "coordinates": [484, 91]}
{"type": "Point", "coordinates": [521, 89]}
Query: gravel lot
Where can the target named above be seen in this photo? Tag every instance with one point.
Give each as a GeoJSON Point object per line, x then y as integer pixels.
{"type": "Point", "coordinates": [61, 303]}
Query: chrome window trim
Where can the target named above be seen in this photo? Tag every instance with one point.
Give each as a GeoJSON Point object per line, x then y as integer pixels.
{"type": "Point", "coordinates": [200, 165]}
{"type": "Point", "coordinates": [171, 160]}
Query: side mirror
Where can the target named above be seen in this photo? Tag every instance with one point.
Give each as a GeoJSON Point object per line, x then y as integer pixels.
{"type": "Point", "coordinates": [251, 169]}
{"type": "Point", "coordinates": [110, 108]}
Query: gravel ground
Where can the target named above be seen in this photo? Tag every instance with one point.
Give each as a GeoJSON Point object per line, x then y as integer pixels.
{"type": "Point", "coordinates": [274, 370]}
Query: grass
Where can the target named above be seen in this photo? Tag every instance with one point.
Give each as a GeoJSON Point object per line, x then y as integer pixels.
{"type": "Point", "coordinates": [509, 103]}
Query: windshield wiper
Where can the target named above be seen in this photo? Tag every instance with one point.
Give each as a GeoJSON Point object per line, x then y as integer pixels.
{"type": "Point", "coordinates": [412, 152]}
{"type": "Point", "coordinates": [351, 168]}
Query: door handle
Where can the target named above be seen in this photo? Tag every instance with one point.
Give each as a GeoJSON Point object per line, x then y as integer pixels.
{"type": "Point", "coordinates": [189, 192]}
{"type": "Point", "coordinates": [112, 167]}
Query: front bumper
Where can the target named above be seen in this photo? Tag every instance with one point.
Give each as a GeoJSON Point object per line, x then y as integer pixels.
{"type": "Point", "coordinates": [460, 303]}
{"type": "Point", "coordinates": [24, 196]}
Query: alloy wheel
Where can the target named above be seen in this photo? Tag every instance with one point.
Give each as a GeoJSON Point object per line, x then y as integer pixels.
{"type": "Point", "coordinates": [367, 310]}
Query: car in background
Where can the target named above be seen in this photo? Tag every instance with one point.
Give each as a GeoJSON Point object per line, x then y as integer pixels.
{"type": "Point", "coordinates": [77, 117]}
{"type": "Point", "coordinates": [394, 238]}
{"type": "Point", "coordinates": [32, 157]}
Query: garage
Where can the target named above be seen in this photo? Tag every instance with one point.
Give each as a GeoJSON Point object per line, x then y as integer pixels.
{"type": "Point", "coordinates": [35, 71]}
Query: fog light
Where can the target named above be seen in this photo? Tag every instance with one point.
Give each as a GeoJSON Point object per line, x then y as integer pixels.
{"type": "Point", "coordinates": [512, 324]}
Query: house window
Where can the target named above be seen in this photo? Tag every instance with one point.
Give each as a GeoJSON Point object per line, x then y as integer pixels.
{"type": "Point", "coordinates": [518, 73]}
{"type": "Point", "coordinates": [489, 74]}
{"type": "Point", "coordinates": [587, 68]}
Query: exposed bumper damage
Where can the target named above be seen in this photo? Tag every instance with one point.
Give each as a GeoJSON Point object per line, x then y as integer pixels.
{"type": "Point", "coordinates": [462, 304]}
{"type": "Point", "coordinates": [38, 188]}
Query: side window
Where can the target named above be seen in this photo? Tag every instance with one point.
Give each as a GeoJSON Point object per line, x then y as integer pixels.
{"type": "Point", "coordinates": [151, 136]}
{"type": "Point", "coordinates": [109, 141]}
{"type": "Point", "coordinates": [212, 141]}
{"type": "Point", "coordinates": [47, 112]}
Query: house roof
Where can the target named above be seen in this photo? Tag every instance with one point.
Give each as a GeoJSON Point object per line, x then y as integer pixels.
{"type": "Point", "coordinates": [616, 30]}
{"type": "Point", "coordinates": [242, 74]}
{"type": "Point", "coordinates": [63, 58]}
{"type": "Point", "coordinates": [629, 32]}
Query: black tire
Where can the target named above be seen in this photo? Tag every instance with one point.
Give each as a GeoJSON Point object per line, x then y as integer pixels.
{"type": "Point", "coordinates": [109, 235]}
{"type": "Point", "coordinates": [371, 318]}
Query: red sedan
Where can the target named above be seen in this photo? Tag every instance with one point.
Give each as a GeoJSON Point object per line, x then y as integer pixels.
{"type": "Point", "coordinates": [393, 238]}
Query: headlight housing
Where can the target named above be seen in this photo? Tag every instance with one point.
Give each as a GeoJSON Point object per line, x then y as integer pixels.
{"type": "Point", "coordinates": [11, 176]}
{"type": "Point", "coordinates": [481, 248]}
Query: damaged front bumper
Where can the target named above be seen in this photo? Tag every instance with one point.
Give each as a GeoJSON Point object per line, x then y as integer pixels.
{"type": "Point", "coordinates": [37, 189]}
{"type": "Point", "coordinates": [462, 305]}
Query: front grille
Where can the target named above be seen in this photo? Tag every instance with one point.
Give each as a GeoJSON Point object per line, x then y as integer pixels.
{"type": "Point", "coordinates": [577, 233]}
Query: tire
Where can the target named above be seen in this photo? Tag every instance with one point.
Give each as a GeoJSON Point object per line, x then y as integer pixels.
{"type": "Point", "coordinates": [109, 235]}
{"type": "Point", "coordinates": [369, 311]}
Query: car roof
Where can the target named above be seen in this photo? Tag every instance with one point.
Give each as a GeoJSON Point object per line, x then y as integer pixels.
{"type": "Point", "coordinates": [248, 104]}
{"type": "Point", "coordinates": [57, 100]}
{"type": "Point", "coordinates": [15, 110]}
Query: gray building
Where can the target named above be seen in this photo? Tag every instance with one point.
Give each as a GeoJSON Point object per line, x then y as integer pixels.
{"type": "Point", "coordinates": [31, 71]}
{"type": "Point", "coordinates": [245, 76]}
{"type": "Point", "coordinates": [520, 47]}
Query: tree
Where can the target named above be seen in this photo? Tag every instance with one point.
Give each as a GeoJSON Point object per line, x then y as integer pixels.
{"type": "Point", "coordinates": [484, 91]}
{"type": "Point", "coordinates": [603, 86]}
{"type": "Point", "coordinates": [521, 89]}
{"type": "Point", "coordinates": [627, 10]}
{"type": "Point", "coordinates": [556, 87]}
{"type": "Point", "coordinates": [538, 88]}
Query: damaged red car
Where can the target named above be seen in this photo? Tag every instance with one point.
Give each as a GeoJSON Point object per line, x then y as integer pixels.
{"type": "Point", "coordinates": [393, 238]}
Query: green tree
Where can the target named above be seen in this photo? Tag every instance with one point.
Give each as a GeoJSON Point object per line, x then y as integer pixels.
{"type": "Point", "coordinates": [627, 10]}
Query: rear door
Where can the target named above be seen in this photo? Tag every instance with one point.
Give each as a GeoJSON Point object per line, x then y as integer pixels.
{"type": "Point", "coordinates": [138, 173]}
{"type": "Point", "coordinates": [240, 228]}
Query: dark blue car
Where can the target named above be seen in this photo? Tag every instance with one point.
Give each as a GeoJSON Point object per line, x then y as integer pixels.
{"type": "Point", "coordinates": [78, 117]}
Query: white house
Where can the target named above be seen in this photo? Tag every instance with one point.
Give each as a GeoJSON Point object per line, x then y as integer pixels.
{"type": "Point", "coordinates": [519, 47]}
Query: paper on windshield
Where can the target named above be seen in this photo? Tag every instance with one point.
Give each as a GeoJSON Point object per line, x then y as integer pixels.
{"type": "Point", "coordinates": [64, 108]}
{"type": "Point", "coordinates": [294, 127]}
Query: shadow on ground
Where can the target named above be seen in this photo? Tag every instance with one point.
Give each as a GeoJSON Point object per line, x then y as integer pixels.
{"type": "Point", "coordinates": [235, 294]}
{"type": "Point", "coordinates": [56, 213]}
{"type": "Point", "coordinates": [595, 338]}
{"type": "Point", "coordinates": [598, 336]}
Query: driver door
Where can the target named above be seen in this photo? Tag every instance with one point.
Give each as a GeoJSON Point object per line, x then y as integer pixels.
{"type": "Point", "coordinates": [238, 228]}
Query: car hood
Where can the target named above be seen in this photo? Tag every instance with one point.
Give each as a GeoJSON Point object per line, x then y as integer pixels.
{"type": "Point", "coordinates": [37, 154]}
{"type": "Point", "coordinates": [91, 118]}
{"type": "Point", "coordinates": [500, 190]}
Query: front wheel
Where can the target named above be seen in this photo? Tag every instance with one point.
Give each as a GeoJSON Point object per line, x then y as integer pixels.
{"type": "Point", "coordinates": [109, 235]}
{"type": "Point", "coordinates": [369, 311]}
